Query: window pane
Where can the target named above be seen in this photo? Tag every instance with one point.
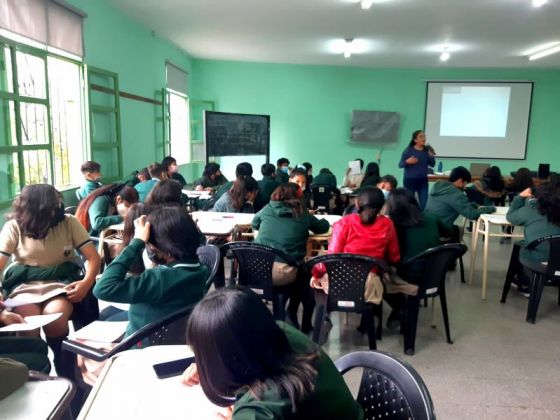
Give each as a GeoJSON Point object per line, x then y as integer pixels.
{"type": "Point", "coordinates": [6, 76]}
{"type": "Point", "coordinates": [104, 127]}
{"type": "Point", "coordinates": [67, 125]}
{"type": "Point", "coordinates": [38, 166]}
{"type": "Point", "coordinates": [109, 161]}
{"type": "Point", "coordinates": [31, 75]}
{"type": "Point", "coordinates": [9, 176]}
{"type": "Point", "coordinates": [34, 127]}
{"type": "Point", "coordinates": [98, 83]}
{"type": "Point", "coordinates": [179, 129]}
{"type": "Point", "coordinates": [7, 123]}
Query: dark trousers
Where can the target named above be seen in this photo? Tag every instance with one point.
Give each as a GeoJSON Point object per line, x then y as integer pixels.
{"type": "Point", "coordinates": [515, 268]}
{"type": "Point", "coordinates": [418, 186]}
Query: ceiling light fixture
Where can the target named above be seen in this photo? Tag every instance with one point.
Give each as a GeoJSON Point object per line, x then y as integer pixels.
{"type": "Point", "coordinates": [366, 4]}
{"type": "Point", "coordinates": [348, 47]}
{"type": "Point", "coordinates": [544, 53]}
{"type": "Point", "coordinates": [539, 3]}
{"type": "Point", "coordinates": [445, 54]}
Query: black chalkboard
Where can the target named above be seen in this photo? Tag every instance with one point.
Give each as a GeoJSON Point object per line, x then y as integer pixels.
{"type": "Point", "coordinates": [230, 134]}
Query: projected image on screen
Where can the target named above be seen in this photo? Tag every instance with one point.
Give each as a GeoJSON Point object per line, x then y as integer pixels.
{"type": "Point", "coordinates": [474, 111]}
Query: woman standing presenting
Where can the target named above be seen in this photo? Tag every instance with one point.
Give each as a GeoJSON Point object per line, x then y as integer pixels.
{"type": "Point", "coordinates": [415, 160]}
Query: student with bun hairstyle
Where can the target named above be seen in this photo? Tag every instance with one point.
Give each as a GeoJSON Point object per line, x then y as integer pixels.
{"type": "Point", "coordinates": [261, 368]}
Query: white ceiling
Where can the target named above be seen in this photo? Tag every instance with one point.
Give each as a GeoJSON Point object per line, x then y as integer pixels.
{"type": "Point", "coordinates": [396, 33]}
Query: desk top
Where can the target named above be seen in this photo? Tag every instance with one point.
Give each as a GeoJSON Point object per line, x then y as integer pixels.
{"type": "Point", "coordinates": [129, 388]}
{"type": "Point", "coordinates": [203, 195]}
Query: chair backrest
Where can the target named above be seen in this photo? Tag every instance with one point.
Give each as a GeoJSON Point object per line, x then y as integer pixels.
{"type": "Point", "coordinates": [553, 263]}
{"type": "Point", "coordinates": [255, 265]}
{"type": "Point", "coordinates": [390, 387]}
{"type": "Point", "coordinates": [429, 268]}
{"type": "Point", "coordinates": [347, 279]}
{"type": "Point", "coordinates": [210, 256]}
{"type": "Point", "coordinates": [70, 210]}
{"type": "Point", "coordinates": [321, 196]}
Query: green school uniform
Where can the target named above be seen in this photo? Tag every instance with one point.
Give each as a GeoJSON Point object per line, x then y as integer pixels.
{"type": "Point", "coordinates": [99, 217]}
{"type": "Point", "coordinates": [282, 176]}
{"type": "Point", "coordinates": [267, 185]}
{"type": "Point", "coordinates": [325, 179]}
{"type": "Point", "coordinates": [179, 178]}
{"type": "Point", "coordinates": [88, 187]}
{"type": "Point", "coordinates": [525, 213]}
{"type": "Point", "coordinates": [155, 293]}
{"type": "Point", "coordinates": [206, 182]}
{"type": "Point", "coordinates": [280, 229]}
{"type": "Point", "coordinates": [331, 398]}
{"type": "Point", "coordinates": [417, 239]}
{"type": "Point", "coordinates": [144, 188]}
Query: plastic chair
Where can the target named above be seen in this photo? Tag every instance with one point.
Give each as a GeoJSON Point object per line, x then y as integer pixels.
{"type": "Point", "coordinates": [210, 256]}
{"type": "Point", "coordinates": [347, 281]}
{"type": "Point", "coordinates": [390, 387]}
{"type": "Point", "coordinates": [428, 270]}
{"type": "Point", "coordinates": [322, 194]}
{"type": "Point", "coordinates": [70, 210]}
{"type": "Point", "coordinates": [542, 275]}
{"type": "Point", "coordinates": [167, 331]}
{"type": "Point", "coordinates": [255, 271]}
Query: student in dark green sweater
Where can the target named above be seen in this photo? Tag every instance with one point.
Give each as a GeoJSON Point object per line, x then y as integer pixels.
{"type": "Point", "coordinates": [261, 369]}
{"type": "Point", "coordinates": [267, 185]}
{"type": "Point", "coordinates": [171, 239]}
{"type": "Point", "coordinates": [325, 177]}
{"type": "Point", "coordinates": [169, 163]}
{"type": "Point", "coordinates": [106, 206]}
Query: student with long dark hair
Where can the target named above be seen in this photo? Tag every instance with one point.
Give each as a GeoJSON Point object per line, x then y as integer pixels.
{"type": "Point", "coordinates": [415, 160]}
{"type": "Point", "coordinates": [105, 206]}
{"type": "Point", "coordinates": [169, 164]}
{"type": "Point", "coordinates": [371, 175]}
{"type": "Point", "coordinates": [166, 193]}
{"type": "Point", "coordinates": [261, 368]}
{"type": "Point", "coordinates": [42, 241]}
{"type": "Point", "coordinates": [490, 190]}
{"type": "Point", "coordinates": [240, 198]}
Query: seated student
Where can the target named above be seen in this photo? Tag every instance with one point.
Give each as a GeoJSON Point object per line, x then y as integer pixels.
{"type": "Point", "coordinates": [354, 181]}
{"type": "Point", "coordinates": [371, 175]}
{"type": "Point", "coordinates": [177, 280]}
{"type": "Point", "coordinates": [240, 198]}
{"type": "Point", "coordinates": [309, 169]}
{"type": "Point", "coordinates": [367, 233]}
{"type": "Point", "coordinates": [92, 174]}
{"type": "Point", "coordinates": [169, 164]}
{"type": "Point", "coordinates": [490, 190]}
{"type": "Point", "coordinates": [299, 176]}
{"type": "Point", "coordinates": [282, 170]}
{"type": "Point", "coordinates": [284, 224]}
{"type": "Point", "coordinates": [166, 193]}
{"type": "Point", "coordinates": [157, 173]}
{"type": "Point", "coordinates": [325, 177]}
{"type": "Point", "coordinates": [31, 351]}
{"type": "Point", "coordinates": [386, 184]}
{"type": "Point", "coordinates": [211, 178]}
{"type": "Point", "coordinates": [267, 184]}
{"type": "Point", "coordinates": [242, 169]}
{"type": "Point", "coordinates": [447, 201]}
{"type": "Point", "coordinates": [42, 241]}
{"type": "Point", "coordinates": [279, 374]}
{"type": "Point", "coordinates": [143, 175]}
{"type": "Point", "coordinates": [539, 214]}
{"type": "Point", "coordinates": [522, 180]}
{"type": "Point", "coordinates": [105, 206]}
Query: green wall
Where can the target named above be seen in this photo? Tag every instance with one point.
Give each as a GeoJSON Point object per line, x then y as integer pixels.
{"type": "Point", "coordinates": [310, 107]}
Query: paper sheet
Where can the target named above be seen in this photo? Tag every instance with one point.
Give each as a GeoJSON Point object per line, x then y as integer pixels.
{"type": "Point", "coordinates": [101, 331]}
{"type": "Point", "coordinates": [354, 166]}
{"type": "Point", "coordinates": [25, 298]}
{"type": "Point", "coordinates": [31, 323]}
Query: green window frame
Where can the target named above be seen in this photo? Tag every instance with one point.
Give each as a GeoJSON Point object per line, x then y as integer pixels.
{"type": "Point", "coordinates": [197, 109]}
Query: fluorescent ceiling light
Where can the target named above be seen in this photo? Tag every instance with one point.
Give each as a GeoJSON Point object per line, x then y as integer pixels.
{"type": "Point", "coordinates": [544, 53]}
{"type": "Point", "coordinates": [540, 48]}
{"type": "Point", "coordinates": [348, 47]}
{"type": "Point", "coordinates": [366, 4]}
{"type": "Point", "coordinates": [539, 3]}
{"type": "Point", "coordinates": [444, 56]}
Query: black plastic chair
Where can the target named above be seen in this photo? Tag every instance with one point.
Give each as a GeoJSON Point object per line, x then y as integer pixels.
{"type": "Point", "coordinates": [210, 256]}
{"type": "Point", "coordinates": [347, 281]}
{"type": "Point", "coordinates": [542, 275]}
{"type": "Point", "coordinates": [255, 271]}
{"type": "Point", "coordinates": [70, 210]}
{"type": "Point", "coordinates": [170, 330]}
{"type": "Point", "coordinates": [390, 387]}
{"type": "Point", "coordinates": [322, 194]}
{"type": "Point", "coordinates": [428, 270]}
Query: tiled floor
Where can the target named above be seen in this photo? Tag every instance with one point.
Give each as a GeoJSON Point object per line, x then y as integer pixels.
{"type": "Point", "coordinates": [499, 367]}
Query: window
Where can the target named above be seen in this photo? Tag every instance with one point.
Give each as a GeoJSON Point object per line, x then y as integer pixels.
{"type": "Point", "coordinates": [179, 141]}
{"type": "Point", "coordinates": [41, 124]}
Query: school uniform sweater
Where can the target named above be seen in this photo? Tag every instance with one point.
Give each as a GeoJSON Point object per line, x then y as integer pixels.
{"type": "Point", "coordinates": [524, 212]}
{"type": "Point", "coordinates": [206, 182]}
{"type": "Point", "coordinates": [88, 187]}
{"type": "Point", "coordinates": [144, 188]}
{"type": "Point", "coordinates": [280, 229]}
{"type": "Point", "coordinates": [99, 217]}
{"type": "Point", "coordinates": [330, 400]}
{"type": "Point", "coordinates": [179, 178]}
{"type": "Point", "coordinates": [154, 294]}
{"type": "Point", "coordinates": [325, 179]}
{"type": "Point", "coordinates": [267, 185]}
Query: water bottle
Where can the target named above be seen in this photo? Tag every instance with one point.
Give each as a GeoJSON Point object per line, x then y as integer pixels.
{"type": "Point", "coordinates": [440, 167]}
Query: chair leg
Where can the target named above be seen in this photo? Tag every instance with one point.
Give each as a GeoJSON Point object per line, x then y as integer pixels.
{"type": "Point", "coordinates": [537, 285]}
{"type": "Point", "coordinates": [443, 302]}
{"type": "Point", "coordinates": [412, 308]}
{"type": "Point", "coordinates": [279, 307]}
{"type": "Point", "coordinates": [370, 326]}
{"type": "Point", "coordinates": [462, 269]}
{"type": "Point", "coordinates": [505, 291]}
{"type": "Point", "coordinates": [514, 268]}
{"type": "Point", "coordinates": [559, 296]}
{"type": "Point", "coordinates": [318, 322]}
{"type": "Point", "coordinates": [378, 312]}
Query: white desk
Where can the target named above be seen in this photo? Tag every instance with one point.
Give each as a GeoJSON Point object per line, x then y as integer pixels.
{"type": "Point", "coordinates": [483, 226]}
{"type": "Point", "coordinates": [220, 224]}
{"type": "Point", "coordinates": [203, 195]}
{"type": "Point", "coordinates": [128, 388]}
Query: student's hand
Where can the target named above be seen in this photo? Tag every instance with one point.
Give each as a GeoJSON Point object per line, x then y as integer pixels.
{"type": "Point", "coordinates": [412, 160]}
{"type": "Point", "coordinates": [526, 193]}
{"type": "Point", "coordinates": [190, 376]}
{"type": "Point", "coordinates": [208, 189]}
{"type": "Point", "coordinates": [226, 414]}
{"type": "Point", "coordinates": [78, 290]}
{"type": "Point", "coordinates": [8, 318]}
{"type": "Point", "coordinates": [199, 188]}
{"type": "Point", "coordinates": [142, 229]}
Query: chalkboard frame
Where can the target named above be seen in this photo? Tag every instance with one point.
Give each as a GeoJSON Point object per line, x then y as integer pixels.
{"type": "Point", "coordinates": [267, 117]}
